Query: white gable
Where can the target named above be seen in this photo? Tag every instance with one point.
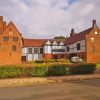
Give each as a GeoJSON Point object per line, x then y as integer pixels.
{"type": "Point", "coordinates": [48, 43]}
{"type": "Point", "coordinates": [61, 43]}
{"type": "Point", "coordinates": [54, 43]}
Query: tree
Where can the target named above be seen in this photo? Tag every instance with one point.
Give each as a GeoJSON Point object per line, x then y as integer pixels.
{"type": "Point", "coordinates": [59, 37]}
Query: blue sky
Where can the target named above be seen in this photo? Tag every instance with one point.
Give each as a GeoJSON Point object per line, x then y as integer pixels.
{"type": "Point", "coordinates": [49, 18]}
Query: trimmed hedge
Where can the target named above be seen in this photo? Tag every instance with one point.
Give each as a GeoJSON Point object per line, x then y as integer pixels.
{"type": "Point", "coordinates": [82, 69]}
{"type": "Point", "coordinates": [57, 70]}
{"type": "Point", "coordinates": [54, 70]}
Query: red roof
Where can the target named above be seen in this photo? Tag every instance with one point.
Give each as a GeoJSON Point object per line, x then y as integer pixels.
{"type": "Point", "coordinates": [78, 37]}
{"type": "Point", "coordinates": [38, 42]}
{"type": "Point", "coordinates": [33, 42]}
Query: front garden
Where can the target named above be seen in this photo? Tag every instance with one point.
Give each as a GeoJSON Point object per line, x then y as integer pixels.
{"type": "Point", "coordinates": [46, 68]}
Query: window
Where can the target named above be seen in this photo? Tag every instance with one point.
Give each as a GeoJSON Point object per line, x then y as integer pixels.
{"type": "Point", "coordinates": [78, 46]}
{"type": "Point", "coordinates": [30, 50]}
{"type": "Point", "coordinates": [14, 48]}
{"type": "Point", "coordinates": [36, 51]}
{"type": "Point", "coordinates": [41, 50]}
{"type": "Point", "coordinates": [92, 40]}
{"type": "Point", "coordinates": [67, 48]}
{"type": "Point", "coordinates": [5, 38]}
{"type": "Point", "coordinates": [15, 39]}
{"type": "Point", "coordinates": [92, 48]}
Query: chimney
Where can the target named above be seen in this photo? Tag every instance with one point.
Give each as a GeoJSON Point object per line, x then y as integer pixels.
{"type": "Point", "coordinates": [72, 32]}
{"type": "Point", "coordinates": [94, 23]}
{"type": "Point", "coordinates": [1, 24]}
{"type": "Point", "coordinates": [1, 18]}
{"type": "Point", "coordinates": [4, 25]}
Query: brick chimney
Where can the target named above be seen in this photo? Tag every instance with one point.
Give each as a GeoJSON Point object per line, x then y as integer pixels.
{"type": "Point", "coordinates": [1, 24]}
{"type": "Point", "coordinates": [72, 32]}
{"type": "Point", "coordinates": [94, 23]}
{"type": "Point", "coordinates": [4, 25]}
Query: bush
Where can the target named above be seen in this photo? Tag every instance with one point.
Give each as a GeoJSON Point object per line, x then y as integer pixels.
{"type": "Point", "coordinates": [37, 71]}
{"type": "Point", "coordinates": [82, 69]}
{"type": "Point", "coordinates": [48, 70]}
{"type": "Point", "coordinates": [10, 72]}
{"type": "Point", "coordinates": [46, 61]}
{"type": "Point", "coordinates": [57, 70]}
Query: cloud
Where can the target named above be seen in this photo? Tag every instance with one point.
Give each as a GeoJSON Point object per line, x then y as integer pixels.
{"type": "Point", "coordinates": [49, 18]}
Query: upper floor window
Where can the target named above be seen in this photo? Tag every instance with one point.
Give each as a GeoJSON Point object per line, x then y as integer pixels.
{"type": "Point", "coordinates": [15, 39]}
{"type": "Point", "coordinates": [36, 50]}
{"type": "Point", "coordinates": [78, 46]}
{"type": "Point", "coordinates": [5, 38]}
{"type": "Point", "coordinates": [41, 50]}
{"type": "Point", "coordinates": [30, 50]}
{"type": "Point", "coordinates": [67, 48]}
{"type": "Point", "coordinates": [14, 48]}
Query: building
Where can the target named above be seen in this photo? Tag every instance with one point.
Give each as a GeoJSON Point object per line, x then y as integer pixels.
{"type": "Point", "coordinates": [34, 49]}
{"type": "Point", "coordinates": [85, 44]}
{"type": "Point", "coordinates": [14, 48]}
{"type": "Point", "coordinates": [10, 43]}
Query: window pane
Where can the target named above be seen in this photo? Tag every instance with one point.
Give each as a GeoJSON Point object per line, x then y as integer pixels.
{"type": "Point", "coordinates": [14, 48]}
{"type": "Point", "coordinates": [5, 38]}
{"type": "Point", "coordinates": [67, 49]}
{"type": "Point", "coordinates": [78, 46]}
{"type": "Point", "coordinates": [15, 38]}
{"type": "Point", "coordinates": [30, 50]}
{"type": "Point", "coordinates": [41, 50]}
{"type": "Point", "coordinates": [36, 50]}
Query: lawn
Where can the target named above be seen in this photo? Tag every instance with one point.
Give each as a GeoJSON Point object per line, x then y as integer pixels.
{"type": "Point", "coordinates": [98, 65]}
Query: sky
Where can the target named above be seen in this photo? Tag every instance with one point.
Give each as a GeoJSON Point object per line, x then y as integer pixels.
{"type": "Point", "coordinates": [50, 18]}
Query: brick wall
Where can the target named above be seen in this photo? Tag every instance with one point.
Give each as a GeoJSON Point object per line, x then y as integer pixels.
{"type": "Point", "coordinates": [93, 46]}
{"type": "Point", "coordinates": [7, 54]}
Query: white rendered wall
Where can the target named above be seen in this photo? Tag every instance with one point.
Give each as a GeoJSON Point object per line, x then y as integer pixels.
{"type": "Point", "coordinates": [47, 49]}
{"type": "Point", "coordinates": [24, 50]}
{"type": "Point", "coordinates": [73, 47]}
{"type": "Point", "coordinates": [30, 57]}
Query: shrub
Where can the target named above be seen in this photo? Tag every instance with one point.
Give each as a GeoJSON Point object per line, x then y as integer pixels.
{"type": "Point", "coordinates": [46, 61]}
{"type": "Point", "coordinates": [10, 72]}
{"type": "Point", "coordinates": [57, 70]}
{"type": "Point", "coordinates": [82, 69]}
{"type": "Point", "coordinates": [37, 71]}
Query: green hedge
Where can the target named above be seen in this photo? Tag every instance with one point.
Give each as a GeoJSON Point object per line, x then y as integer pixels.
{"type": "Point", "coordinates": [82, 68]}
{"type": "Point", "coordinates": [54, 70]}
{"type": "Point", "coordinates": [57, 70]}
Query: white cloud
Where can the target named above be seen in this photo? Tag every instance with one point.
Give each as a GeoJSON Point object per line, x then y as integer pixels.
{"type": "Point", "coordinates": [48, 18]}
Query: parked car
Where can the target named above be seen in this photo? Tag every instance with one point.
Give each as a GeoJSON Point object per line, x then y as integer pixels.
{"type": "Point", "coordinates": [76, 59]}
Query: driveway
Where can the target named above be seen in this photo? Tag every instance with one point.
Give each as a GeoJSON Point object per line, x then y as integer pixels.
{"type": "Point", "coordinates": [75, 90]}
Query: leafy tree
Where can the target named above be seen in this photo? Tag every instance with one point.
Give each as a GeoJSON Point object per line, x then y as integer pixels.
{"type": "Point", "coordinates": [59, 37]}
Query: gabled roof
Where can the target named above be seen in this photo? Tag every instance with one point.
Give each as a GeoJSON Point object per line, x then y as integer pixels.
{"type": "Point", "coordinates": [78, 37]}
{"type": "Point", "coordinates": [33, 42]}
{"type": "Point", "coordinates": [38, 42]}
{"type": "Point", "coordinates": [11, 23]}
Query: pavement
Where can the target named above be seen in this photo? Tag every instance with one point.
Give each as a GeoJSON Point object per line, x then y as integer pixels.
{"type": "Point", "coordinates": [46, 80]}
{"type": "Point", "coordinates": [80, 90]}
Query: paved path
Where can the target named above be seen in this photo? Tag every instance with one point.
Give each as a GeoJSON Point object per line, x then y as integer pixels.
{"type": "Point", "coordinates": [75, 90]}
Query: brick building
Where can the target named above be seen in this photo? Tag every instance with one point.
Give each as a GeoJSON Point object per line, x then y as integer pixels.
{"type": "Point", "coordinates": [10, 43]}
{"type": "Point", "coordinates": [14, 48]}
{"type": "Point", "coordinates": [85, 44]}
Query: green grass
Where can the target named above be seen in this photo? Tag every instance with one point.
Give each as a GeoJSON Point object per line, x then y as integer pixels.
{"type": "Point", "coordinates": [98, 65]}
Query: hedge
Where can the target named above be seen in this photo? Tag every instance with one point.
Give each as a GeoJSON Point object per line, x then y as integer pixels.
{"type": "Point", "coordinates": [82, 69]}
{"type": "Point", "coordinates": [54, 70]}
